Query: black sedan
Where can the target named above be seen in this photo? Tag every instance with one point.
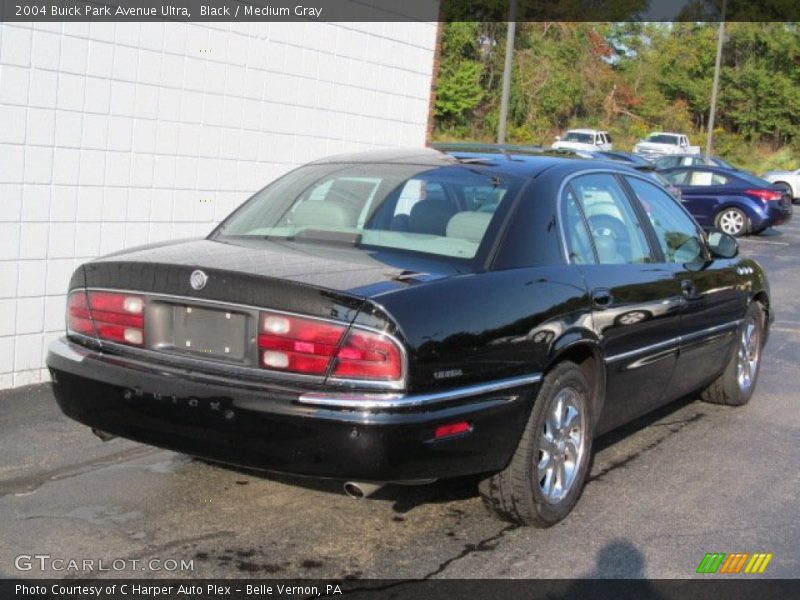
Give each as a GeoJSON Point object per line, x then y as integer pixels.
{"type": "Point", "coordinates": [409, 316]}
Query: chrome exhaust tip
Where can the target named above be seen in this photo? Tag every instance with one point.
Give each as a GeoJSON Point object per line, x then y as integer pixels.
{"type": "Point", "coordinates": [103, 435]}
{"type": "Point", "coordinates": [360, 489]}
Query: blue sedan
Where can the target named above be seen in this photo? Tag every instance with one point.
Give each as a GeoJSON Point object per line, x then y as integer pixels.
{"type": "Point", "coordinates": [732, 201]}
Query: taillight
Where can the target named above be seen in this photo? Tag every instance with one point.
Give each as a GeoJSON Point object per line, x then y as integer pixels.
{"type": "Point", "coordinates": [299, 345]}
{"type": "Point", "coordinates": [368, 355]}
{"type": "Point", "coordinates": [111, 316]}
{"type": "Point", "coordinates": [765, 195]}
{"type": "Point", "coordinates": [288, 343]}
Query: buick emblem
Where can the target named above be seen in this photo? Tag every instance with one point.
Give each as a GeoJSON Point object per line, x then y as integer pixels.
{"type": "Point", "coordinates": [198, 280]}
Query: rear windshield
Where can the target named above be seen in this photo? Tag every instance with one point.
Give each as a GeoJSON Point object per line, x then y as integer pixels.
{"type": "Point", "coordinates": [443, 211]}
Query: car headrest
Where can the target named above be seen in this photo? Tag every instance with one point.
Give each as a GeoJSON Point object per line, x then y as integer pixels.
{"type": "Point", "coordinates": [318, 213]}
{"type": "Point", "coordinates": [430, 216]}
{"type": "Point", "coordinates": [469, 225]}
{"type": "Point", "coordinates": [607, 250]}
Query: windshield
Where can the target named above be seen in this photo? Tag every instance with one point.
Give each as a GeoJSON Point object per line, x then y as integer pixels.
{"type": "Point", "coordinates": [577, 136]}
{"type": "Point", "coordinates": [443, 211]}
{"type": "Point", "coordinates": [660, 138]}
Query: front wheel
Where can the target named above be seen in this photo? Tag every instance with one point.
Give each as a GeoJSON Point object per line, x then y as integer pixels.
{"type": "Point", "coordinates": [545, 477]}
{"type": "Point", "coordinates": [736, 384]}
{"type": "Point", "coordinates": [732, 221]}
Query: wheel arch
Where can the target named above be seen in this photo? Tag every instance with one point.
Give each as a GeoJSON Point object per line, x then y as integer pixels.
{"type": "Point", "coordinates": [750, 213]}
{"type": "Point", "coordinates": [586, 353]}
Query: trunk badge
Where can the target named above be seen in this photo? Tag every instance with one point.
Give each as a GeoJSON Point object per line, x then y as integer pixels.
{"type": "Point", "coordinates": [198, 280]}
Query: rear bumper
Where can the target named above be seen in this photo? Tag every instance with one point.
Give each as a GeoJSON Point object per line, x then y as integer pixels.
{"type": "Point", "coordinates": [369, 437]}
{"type": "Point", "coordinates": [775, 214]}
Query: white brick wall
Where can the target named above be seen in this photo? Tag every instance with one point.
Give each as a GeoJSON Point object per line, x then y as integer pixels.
{"type": "Point", "coordinates": [114, 135]}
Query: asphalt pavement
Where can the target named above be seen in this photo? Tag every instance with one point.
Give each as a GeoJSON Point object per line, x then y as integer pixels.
{"type": "Point", "coordinates": [690, 479]}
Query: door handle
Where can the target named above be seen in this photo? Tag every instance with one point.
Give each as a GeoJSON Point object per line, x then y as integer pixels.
{"type": "Point", "coordinates": [602, 298]}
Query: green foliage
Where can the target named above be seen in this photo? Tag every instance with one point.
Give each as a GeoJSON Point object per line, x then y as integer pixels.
{"type": "Point", "coordinates": [631, 78]}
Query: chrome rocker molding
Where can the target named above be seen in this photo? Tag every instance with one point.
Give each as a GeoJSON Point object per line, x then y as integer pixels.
{"type": "Point", "coordinates": [676, 341]}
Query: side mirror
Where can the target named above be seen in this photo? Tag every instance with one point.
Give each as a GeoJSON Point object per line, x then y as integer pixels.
{"type": "Point", "coordinates": [722, 245]}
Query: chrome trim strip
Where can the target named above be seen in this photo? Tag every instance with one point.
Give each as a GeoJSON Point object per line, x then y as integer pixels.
{"type": "Point", "coordinates": [674, 341]}
{"type": "Point", "coordinates": [393, 401]}
{"type": "Point", "coordinates": [179, 360]}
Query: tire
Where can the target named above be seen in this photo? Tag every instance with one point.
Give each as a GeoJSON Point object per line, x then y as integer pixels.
{"type": "Point", "coordinates": [735, 385]}
{"type": "Point", "coordinates": [732, 221]}
{"type": "Point", "coordinates": [526, 492]}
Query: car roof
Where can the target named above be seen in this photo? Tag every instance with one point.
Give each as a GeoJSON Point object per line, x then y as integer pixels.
{"type": "Point", "coordinates": [587, 130]}
{"type": "Point", "coordinates": [712, 168]}
{"type": "Point", "coordinates": [521, 161]}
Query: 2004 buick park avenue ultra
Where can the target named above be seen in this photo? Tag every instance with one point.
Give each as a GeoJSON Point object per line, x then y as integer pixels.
{"type": "Point", "coordinates": [408, 316]}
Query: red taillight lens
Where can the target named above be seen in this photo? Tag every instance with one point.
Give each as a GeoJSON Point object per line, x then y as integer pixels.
{"type": "Point", "coordinates": [111, 316]}
{"type": "Point", "coordinates": [289, 343]}
{"type": "Point", "coordinates": [299, 345]}
{"type": "Point", "coordinates": [368, 355]}
{"type": "Point", "coordinates": [78, 318]}
{"type": "Point", "coordinates": [765, 195]}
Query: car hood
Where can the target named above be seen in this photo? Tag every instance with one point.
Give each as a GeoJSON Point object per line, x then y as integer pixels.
{"type": "Point", "coordinates": [356, 272]}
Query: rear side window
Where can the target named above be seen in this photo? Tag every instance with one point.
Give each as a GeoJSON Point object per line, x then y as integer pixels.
{"type": "Point", "coordinates": [615, 228]}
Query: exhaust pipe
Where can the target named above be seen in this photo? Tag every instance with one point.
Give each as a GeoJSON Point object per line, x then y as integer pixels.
{"type": "Point", "coordinates": [103, 435]}
{"type": "Point", "coordinates": [360, 489]}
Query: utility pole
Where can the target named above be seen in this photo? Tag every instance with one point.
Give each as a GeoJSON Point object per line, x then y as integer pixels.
{"type": "Point", "coordinates": [712, 113]}
{"type": "Point", "coordinates": [512, 30]}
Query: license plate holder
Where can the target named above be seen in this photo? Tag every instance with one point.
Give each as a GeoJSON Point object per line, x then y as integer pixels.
{"type": "Point", "coordinates": [209, 332]}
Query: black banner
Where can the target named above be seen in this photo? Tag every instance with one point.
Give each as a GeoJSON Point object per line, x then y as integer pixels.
{"type": "Point", "coordinates": [441, 589]}
{"type": "Point", "coordinates": [394, 10]}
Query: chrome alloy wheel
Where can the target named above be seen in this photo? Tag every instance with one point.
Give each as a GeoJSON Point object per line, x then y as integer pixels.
{"type": "Point", "coordinates": [749, 355]}
{"type": "Point", "coordinates": [732, 222]}
{"type": "Point", "coordinates": [562, 444]}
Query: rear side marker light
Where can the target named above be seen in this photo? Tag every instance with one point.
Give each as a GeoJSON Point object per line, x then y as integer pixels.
{"type": "Point", "coordinates": [315, 347]}
{"type": "Point", "coordinates": [111, 316]}
{"type": "Point", "coordinates": [453, 429]}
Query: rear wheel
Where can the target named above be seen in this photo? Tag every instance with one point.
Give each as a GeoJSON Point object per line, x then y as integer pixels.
{"type": "Point", "coordinates": [732, 221]}
{"type": "Point", "coordinates": [545, 477]}
{"type": "Point", "coordinates": [736, 384]}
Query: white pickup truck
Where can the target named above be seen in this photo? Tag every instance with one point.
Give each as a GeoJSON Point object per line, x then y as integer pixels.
{"type": "Point", "coordinates": [661, 143]}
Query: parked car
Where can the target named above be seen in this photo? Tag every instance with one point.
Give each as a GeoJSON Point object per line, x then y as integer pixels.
{"type": "Point", "coordinates": [662, 143]}
{"type": "Point", "coordinates": [692, 160]}
{"type": "Point", "coordinates": [584, 139]}
{"type": "Point", "coordinates": [789, 181]}
{"type": "Point", "coordinates": [733, 201]}
{"type": "Point", "coordinates": [404, 316]}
